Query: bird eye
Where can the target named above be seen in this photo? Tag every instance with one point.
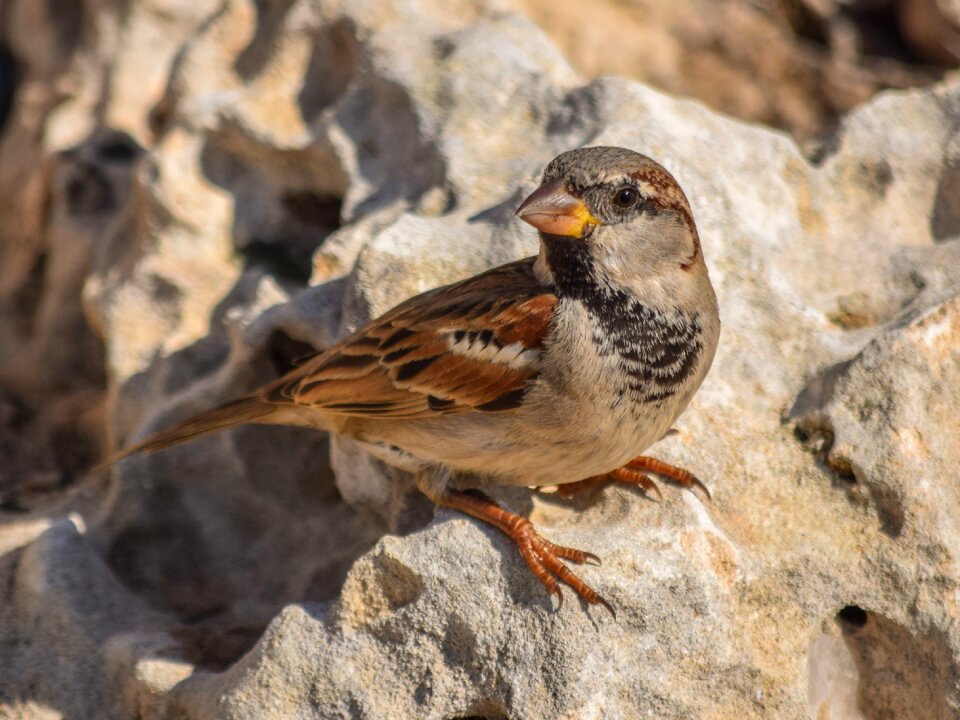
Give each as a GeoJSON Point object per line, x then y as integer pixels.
{"type": "Point", "coordinates": [625, 198]}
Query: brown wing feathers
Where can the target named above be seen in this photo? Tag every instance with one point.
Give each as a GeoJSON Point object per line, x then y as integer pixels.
{"type": "Point", "coordinates": [468, 346]}
{"type": "Point", "coordinates": [454, 349]}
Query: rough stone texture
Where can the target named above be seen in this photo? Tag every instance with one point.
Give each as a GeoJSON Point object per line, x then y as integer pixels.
{"type": "Point", "coordinates": [209, 159]}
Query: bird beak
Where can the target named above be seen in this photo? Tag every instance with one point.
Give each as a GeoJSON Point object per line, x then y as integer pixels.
{"type": "Point", "coordinates": [552, 210]}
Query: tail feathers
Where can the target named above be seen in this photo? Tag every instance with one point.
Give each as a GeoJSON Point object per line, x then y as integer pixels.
{"type": "Point", "coordinates": [238, 412]}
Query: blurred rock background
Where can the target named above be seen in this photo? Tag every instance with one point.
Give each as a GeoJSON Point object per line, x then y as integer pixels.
{"type": "Point", "coordinates": [194, 194]}
{"type": "Point", "coordinates": [798, 65]}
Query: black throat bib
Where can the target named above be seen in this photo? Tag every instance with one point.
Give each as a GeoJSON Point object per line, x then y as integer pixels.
{"type": "Point", "coordinates": [657, 348]}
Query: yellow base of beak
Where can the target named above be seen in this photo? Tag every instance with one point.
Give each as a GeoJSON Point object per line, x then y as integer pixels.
{"type": "Point", "coordinates": [553, 210]}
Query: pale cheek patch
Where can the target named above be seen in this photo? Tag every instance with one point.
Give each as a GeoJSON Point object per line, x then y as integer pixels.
{"type": "Point", "coordinates": [483, 346]}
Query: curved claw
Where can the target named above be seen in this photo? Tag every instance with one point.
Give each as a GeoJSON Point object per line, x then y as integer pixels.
{"type": "Point", "coordinates": [698, 484]}
{"type": "Point", "coordinates": [559, 593]}
{"type": "Point", "coordinates": [542, 556]}
{"type": "Point", "coordinates": [654, 491]}
{"type": "Point", "coordinates": [572, 554]}
{"type": "Point", "coordinates": [608, 606]}
{"type": "Point", "coordinates": [681, 477]}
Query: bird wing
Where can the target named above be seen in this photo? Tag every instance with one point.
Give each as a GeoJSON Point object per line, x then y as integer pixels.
{"type": "Point", "coordinates": [470, 346]}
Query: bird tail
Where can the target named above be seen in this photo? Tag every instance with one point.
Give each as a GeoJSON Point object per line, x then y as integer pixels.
{"type": "Point", "coordinates": [238, 412]}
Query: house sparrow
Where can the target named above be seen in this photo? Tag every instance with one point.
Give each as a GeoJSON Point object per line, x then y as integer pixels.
{"type": "Point", "coordinates": [559, 368]}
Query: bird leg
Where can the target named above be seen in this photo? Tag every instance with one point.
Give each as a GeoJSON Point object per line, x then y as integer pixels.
{"type": "Point", "coordinates": [624, 475]}
{"type": "Point", "coordinates": [541, 555]}
{"type": "Point", "coordinates": [634, 473]}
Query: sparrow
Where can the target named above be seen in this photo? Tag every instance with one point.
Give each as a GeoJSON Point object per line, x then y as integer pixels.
{"type": "Point", "coordinates": [559, 368]}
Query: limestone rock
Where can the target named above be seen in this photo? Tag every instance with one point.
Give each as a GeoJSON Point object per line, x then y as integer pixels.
{"type": "Point", "coordinates": [288, 170]}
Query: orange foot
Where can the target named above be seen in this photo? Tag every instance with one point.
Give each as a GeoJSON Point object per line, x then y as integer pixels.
{"type": "Point", "coordinates": [541, 555]}
{"type": "Point", "coordinates": [635, 473]}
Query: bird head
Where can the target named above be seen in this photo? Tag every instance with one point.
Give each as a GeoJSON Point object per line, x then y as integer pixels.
{"type": "Point", "coordinates": [619, 208]}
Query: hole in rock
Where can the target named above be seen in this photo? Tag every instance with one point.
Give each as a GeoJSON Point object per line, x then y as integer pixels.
{"type": "Point", "coordinates": [285, 353]}
{"type": "Point", "coordinates": [842, 468]}
{"type": "Point", "coordinates": [853, 616]}
{"type": "Point", "coordinates": [876, 26]}
{"type": "Point", "coordinates": [443, 48]}
{"type": "Point", "coordinates": [872, 668]}
{"type": "Point", "coordinates": [95, 179]}
{"type": "Point", "coordinates": [286, 203]}
{"type": "Point", "coordinates": [163, 292]}
{"type": "Point", "coordinates": [319, 210]}
{"type": "Point", "coordinates": [291, 263]}
{"type": "Point", "coordinates": [900, 675]}
{"type": "Point", "coordinates": [88, 191]}
{"type": "Point", "coordinates": [878, 29]}
{"type": "Point", "coordinates": [817, 438]}
{"type": "Point", "coordinates": [485, 710]}
{"type": "Point", "coordinates": [805, 22]}
{"type": "Point", "coordinates": [119, 147]}
{"type": "Point", "coordinates": [9, 79]}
